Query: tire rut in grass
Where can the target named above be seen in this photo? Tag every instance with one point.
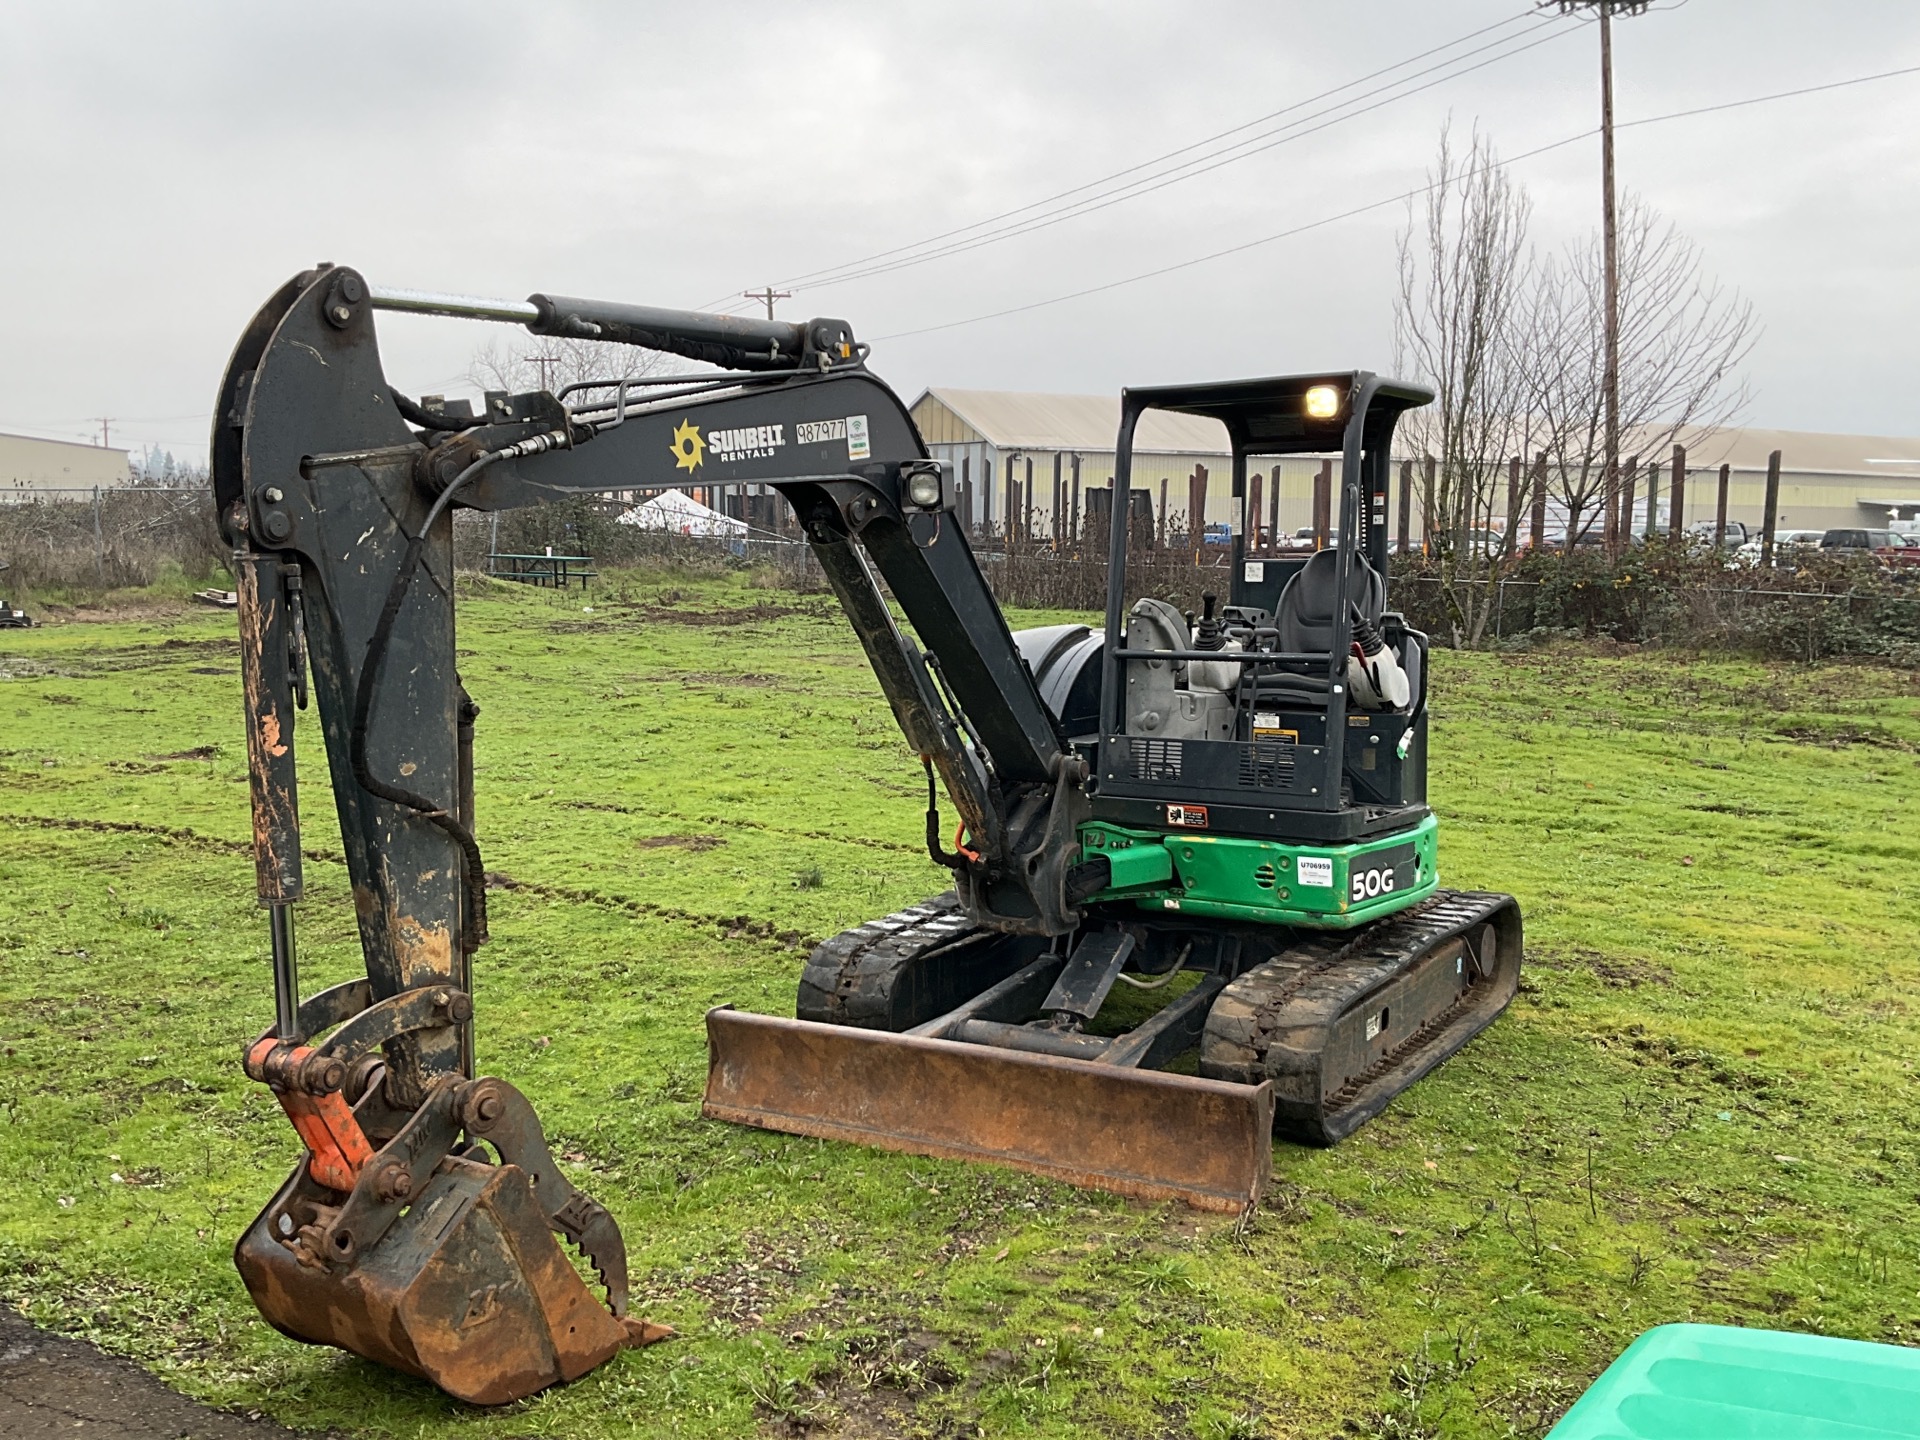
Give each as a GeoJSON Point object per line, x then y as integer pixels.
{"type": "Point", "coordinates": [727, 927]}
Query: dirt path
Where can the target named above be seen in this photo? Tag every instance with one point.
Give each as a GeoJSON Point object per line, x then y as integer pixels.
{"type": "Point", "coordinates": [51, 1386]}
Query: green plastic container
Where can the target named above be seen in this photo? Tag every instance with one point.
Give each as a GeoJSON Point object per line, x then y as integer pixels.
{"type": "Point", "coordinates": [1717, 1382]}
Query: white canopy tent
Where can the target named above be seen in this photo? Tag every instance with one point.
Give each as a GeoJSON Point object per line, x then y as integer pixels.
{"type": "Point", "coordinates": [678, 513]}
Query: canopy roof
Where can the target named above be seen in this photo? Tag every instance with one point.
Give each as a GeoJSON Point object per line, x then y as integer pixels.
{"type": "Point", "coordinates": [679, 513]}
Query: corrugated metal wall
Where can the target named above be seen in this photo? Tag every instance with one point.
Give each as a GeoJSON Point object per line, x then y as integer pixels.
{"type": "Point", "coordinates": [1810, 500]}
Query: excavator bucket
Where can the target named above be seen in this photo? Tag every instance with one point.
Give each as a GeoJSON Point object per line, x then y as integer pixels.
{"type": "Point", "coordinates": [468, 1290]}
{"type": "Point", "coordinates": [1143, 1133]}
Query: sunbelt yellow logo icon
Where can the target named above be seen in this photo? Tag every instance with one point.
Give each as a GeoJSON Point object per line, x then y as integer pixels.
{"type": "Point", "coordinates": [688, 448]}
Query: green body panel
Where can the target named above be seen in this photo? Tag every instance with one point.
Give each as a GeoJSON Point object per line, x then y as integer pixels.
{"type": "Point", "coordinates": [1134, 866]}
{"type": "Point", "coordinates": [1261, 880]}
{"type": "Point", "coordinates": [1715, 1382]}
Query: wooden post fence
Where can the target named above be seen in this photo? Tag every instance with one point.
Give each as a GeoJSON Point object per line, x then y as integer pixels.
{"type": "Point", "coordinates": [1074, 514]}
{"type": "Point", "coordinates": [1426, 506]}
{"type": "Point", "coordinates": [1771, 515]}
{"type": "Point", "coordinates": [1252, 538]}
{"type": "Point", "coordinates": [1197, 510]}
{"type": "Point", "coordinates": [1627, 484]}
{"type": "Point", "coordinates": [1537, 522]}
{"type": "Point", "coordinates": [1513, 505]}
{"type": "Point", "coordinates": [1720, 508]}
{"type": "Point", "coordinates": [1406, 505]}
{"type": "Point", "coordinates": [1677, 503]}
{"type": "Point", "coordinates": [1653, 499]}
{"type": "Point", "coordinates": [1610, 502]}
{"type": "Point", "coordinates": [1322, 504]}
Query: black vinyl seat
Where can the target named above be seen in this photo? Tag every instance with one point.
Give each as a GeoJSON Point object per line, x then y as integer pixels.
{"type": "Point", "coordinates": [1304, 620]}
{"type": "Point", "coordinates": [1311, 599]}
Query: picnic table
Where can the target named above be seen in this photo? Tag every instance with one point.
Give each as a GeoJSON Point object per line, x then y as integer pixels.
{"type": "Point", "coordinates": [555, 572]}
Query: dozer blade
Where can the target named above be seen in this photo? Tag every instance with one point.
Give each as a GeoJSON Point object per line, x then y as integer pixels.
{"type": "Point", "coordinates": [468, 1290]}
{"type": "Point", "coordinates": [1143, 1133]}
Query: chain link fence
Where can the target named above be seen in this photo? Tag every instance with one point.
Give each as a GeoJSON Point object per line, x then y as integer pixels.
{"type": "Point", "coordinates": [104, 539]}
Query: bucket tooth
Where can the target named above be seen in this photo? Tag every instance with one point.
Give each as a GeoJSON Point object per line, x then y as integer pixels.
{"type": "Point", "coordinates": [1142, 1133]}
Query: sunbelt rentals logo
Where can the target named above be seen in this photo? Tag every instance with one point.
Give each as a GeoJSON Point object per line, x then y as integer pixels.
{"type": "Point", "coordinates": [747, 442]}
{"type": "Point", "coordinates": [688, 448]}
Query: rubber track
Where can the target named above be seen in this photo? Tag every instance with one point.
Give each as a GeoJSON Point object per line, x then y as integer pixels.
{"type": "Point", "coordinates": [848, 978]}
{"type": "Point", "coordinates": [1253, 1010]}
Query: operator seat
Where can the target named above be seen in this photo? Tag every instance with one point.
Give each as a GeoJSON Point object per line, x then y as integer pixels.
{"type": "Point", "coordinates": [1306, 610]}
{"type": "Point", "coordinates": [1305, 613]}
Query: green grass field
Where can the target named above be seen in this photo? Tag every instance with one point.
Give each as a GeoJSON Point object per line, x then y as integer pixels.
{"type": "Point", "coordinates": [1701, 1107]}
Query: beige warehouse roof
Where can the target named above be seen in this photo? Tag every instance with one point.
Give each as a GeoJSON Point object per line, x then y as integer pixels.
{"type": "Point", "coordinates": [1802, 452]}
{"type": "Point", "coordinates": [1015, 420]}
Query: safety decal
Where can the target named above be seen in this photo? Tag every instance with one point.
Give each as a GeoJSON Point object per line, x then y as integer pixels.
{"type": "Point", "coordinates": [1194, 817]}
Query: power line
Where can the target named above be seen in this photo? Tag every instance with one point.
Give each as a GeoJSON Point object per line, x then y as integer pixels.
{"type": "Point", "coordinates": [1403, 196]}
{"type": "Point", "coordinates": [817, 276]}
{"type": "Point", "coordinates": [1298, 129]}
{"type": "Point", "coordinates": [1096, 204]}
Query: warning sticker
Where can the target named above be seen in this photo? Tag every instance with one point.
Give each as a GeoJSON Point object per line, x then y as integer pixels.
{"type": "Point", "coordinates": [1256, 571]}
{"type": "Point", "coordinates": [1194, 817]}
{"type": "Point", "coordinates": [1267, 726]}
{"type": "Point", "coordinates": [1314, 870]}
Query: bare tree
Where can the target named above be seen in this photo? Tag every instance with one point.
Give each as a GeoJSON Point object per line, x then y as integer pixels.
{"type": "Point", "coordinates": [1464, 278]}
{"type": "Point", "coordinates": [555, 362]}
{"type": "Point", "coordinates": [1682, 338]}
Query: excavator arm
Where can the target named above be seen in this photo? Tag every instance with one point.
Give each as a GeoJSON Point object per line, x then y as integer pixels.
{"type": "Point", "coordinates": [336, 492]}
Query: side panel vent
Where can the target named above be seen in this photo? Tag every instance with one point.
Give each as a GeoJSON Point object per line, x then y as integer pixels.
{"type": "Point", "coordinates": [1267, 766]}
{"type": "Point", "coordinates": [1154, 759]}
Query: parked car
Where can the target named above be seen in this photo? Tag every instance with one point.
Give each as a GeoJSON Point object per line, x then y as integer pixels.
{"type": "Point", "coordinates": [1732, 538]}
{"type": "Point", "coordinates": [1884, 545]}
{"type": "Point", "coordinates": [1785, 544]}
{"type": "Point", "coordinates": [1302, 539]}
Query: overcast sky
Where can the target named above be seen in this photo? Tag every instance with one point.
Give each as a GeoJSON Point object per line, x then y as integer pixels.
{"type": "Point", "coordinates": [164, 168]}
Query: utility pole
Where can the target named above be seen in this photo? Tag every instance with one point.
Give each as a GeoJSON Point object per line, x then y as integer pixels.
{"type": "Point", "coordinates": [1610, 376]}
{"type": "Point", "coordinates": [767, 296]}
{"type": "Point", "coordinates": [106, 431]}
{"type": "Point", "coordinates": [543, 361]}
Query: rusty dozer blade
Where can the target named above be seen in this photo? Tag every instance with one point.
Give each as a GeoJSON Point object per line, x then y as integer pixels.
{"type": "Point", "coordinates": [1143, 1133]}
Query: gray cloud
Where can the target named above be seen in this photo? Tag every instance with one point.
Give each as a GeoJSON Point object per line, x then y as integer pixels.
{"type": "Point", "coordinates": [165, 167]}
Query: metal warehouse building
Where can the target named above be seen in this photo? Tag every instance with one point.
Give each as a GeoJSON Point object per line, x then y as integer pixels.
{"type": "Point", "coordinates": [1036, 457]}
{"type": "Point", "coordinates": [31, 468]}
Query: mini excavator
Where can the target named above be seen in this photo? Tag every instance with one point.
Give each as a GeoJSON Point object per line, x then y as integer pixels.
{"type": "Point", "coordinates": [1224, 816]}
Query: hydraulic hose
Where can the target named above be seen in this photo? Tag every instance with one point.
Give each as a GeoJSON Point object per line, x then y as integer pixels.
{"type": "Point", "coordinates": [475, 877]}
{"type": "Point", "coordinates": [940, 855]}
